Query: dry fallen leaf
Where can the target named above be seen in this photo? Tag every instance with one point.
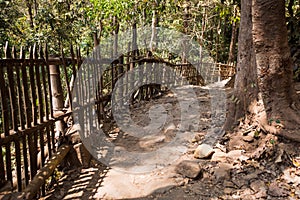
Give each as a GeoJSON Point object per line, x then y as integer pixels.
{"type": "Point", "coordinates": [296, 162]}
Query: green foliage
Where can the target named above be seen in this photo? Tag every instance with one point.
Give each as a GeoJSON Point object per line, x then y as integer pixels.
{"type": "Point", "coordinates": [272, 141]}
{"type": "Point", "coordinates": [270, 121]}
{"type": "Point", "coordinates": [256, 134]}
{"type": "Point", "coordinates": [62, 22]}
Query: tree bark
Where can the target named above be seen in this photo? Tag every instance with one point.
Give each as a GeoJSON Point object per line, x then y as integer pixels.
{"type": "Point", "coordinates": [232, 46]}
{"type": "Point", "coordinates": [245, 90]}
{"type": "Point", "coordinates": [274, 69]}
{"type": "Point", "coordinates": [29, 8]}
{"type": "Point", "coordinates": [154, 24]}
{"type": "Point", "coordinates": [263, 91]}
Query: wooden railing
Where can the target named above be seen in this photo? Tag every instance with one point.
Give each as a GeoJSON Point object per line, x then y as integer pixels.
{"type": "Point", "coordinates": [29, 111]}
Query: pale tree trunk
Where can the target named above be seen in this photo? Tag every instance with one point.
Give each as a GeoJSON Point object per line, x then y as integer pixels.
{"type": "Point", "coordinates": [154, 24]}
{"type": "Point", "coordinates": [274, 69]}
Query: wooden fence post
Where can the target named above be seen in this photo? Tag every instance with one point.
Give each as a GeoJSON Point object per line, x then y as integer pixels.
{"type": "Point", "coordinates": [57, 95]}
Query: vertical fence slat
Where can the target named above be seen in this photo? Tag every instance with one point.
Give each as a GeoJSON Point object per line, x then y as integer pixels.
{"type": "Point", "coordinates": [3, 115]}
{"type": "Point", "coordinates": [19, 164]}
{"type": "Point", "coordinates": [88, 93]}
{"type": "Point", "coordinates": [42, 153]}
{"type": "Point", "coordinates": [80, 87]}
{"type": "Point", "coordinates": [40, 134]}
{"type": "Point", "coordinates": [100, 78]}
{"type": "Point", "coordinates": [52, 138]}
{"type": "Point", "coordinates": [74, 73]}
{"type": "Point", "coordinates": [2, 170]}
{"type": "Point", "coordinates": [25, 159]}
{"type": "Point", "coordinates": [25, 89]}
{"type": "Point", "coordinates": [127, 74]}
{"type": "Point", "coordinates": [38, 86]}
{"type": "Point", "coordinates": [6, 117]}
{"type": "Point", "coordinates": [44, 84]}
{"type": "Point", "coordinates": [69, 97]}
{"type": "Point", "coordinates": [12, 97]}
{"type": "Point", "coordinates": [48, 132]}
{"type": "Point", "coordinates": [47, 89]}
{"type": "Point", "coordinates": [120, 73]}
{"type": "Point", "coordinates": [14, 118]}
{"type": "Point", "coordinates": [46, 114]}
{"type": "Point", "coordinates": [48, 80]}
{"type": "Point", "coordinates": [32, 85]}
{"type": "Point", "coordinates": [96, 80]}
{"type": "Point", "coordinates": [27, 112]}
{"type": "Point", "coordinates": [20, 95]}
{"type": "Point", "coordinates": [32, 136]}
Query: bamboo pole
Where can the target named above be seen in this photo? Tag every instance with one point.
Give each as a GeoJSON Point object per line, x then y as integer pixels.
{"type": "Point", "coordinates": [57, 94]}
{"type": "Point", "coordinates": [34, 186]}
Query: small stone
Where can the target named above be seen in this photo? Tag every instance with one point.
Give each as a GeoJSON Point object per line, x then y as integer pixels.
{"type": "Point", "coordinates": [188, 169]}
{"type": "Point", "coordinates": [234, 154]}
{"type": "Point", "coordinates": [246, 193]}
{"type": "Point", "coordinates": [253, 175]}
{"type": "Point", "coordinates": [198, 137]}
{"type": "Point", "coordinates": [228, 190]}
{"type": "Point", "coordinates": [228, 184]}
{"type": "Point", "coordinates": [239, 182]}
{"type": "Point", "coordinates": [261, 194]}
{"type": "Point", "coordinates": [222, 172]}
{"type": "Point", "coordinates": [257, 186]}
{"type": "Point", "coordinates": [221, 147]}
{"type": "Point", "coordinates": [169, 127]}
{"type": "Point", "coordinates": [203, 151]}
{"type": "Point", "coordinates": [276, 191]}
{"type": "Point", "coordinates": [237, 155]}
{"type": "Point", "coordinates": [248, 138]}
{"type": "Point", "coordinates": [219, 156]}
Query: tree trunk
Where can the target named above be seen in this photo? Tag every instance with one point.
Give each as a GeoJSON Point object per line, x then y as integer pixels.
{"type": "Point", "coordinates": [245, 90]}
{"type": "Point", "coordinates": [154, 24]}
{"type": "Point", "coordinates": [263, 90]}
{"type": "Point", "coordinates": [232, 46]}
{"type": "Point", "coordinates": [29, 8]}
{"type": "Point", "coordinates": [116, 26]}
{"type": "Point", "coordinates": [274, 69]}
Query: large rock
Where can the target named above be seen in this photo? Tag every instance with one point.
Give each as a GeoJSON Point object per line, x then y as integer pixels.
{"type": "Point", "coordinates": [188, 169]}
{"type": "Point", "coordinates": [203, 151]}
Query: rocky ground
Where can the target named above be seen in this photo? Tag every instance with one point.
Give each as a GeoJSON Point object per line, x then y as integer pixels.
{"type": "Point", "coordinates": [245, 164]}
